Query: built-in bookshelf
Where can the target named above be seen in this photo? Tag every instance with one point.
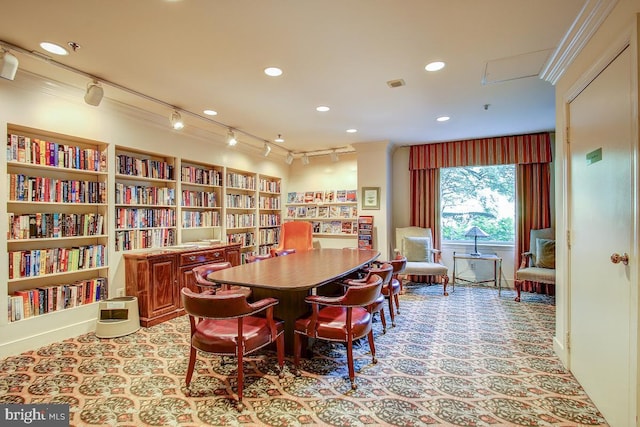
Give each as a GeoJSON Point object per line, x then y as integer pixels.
{"type": "Point", "coordinates": [57, 236]}
{"type": "Point", "coordinates": [240, 210]}
{"type": "Point", "coordinates": [269, 213]}
{"type": "Point", "coordinates": [145, 200]}
{"type": "Point", "coordinates": [200, 201]}
{"type": "Point", "coordinates": [332, 212]}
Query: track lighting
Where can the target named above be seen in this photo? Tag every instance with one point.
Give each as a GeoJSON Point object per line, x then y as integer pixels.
{"type": "Point", "coordinates": [266, 150]}
{"type": "Point", "coordinates": [289, 158]}
{"type": "Point", "coordinates": [176, 120]}
{"type": "Point", "coordinates": [94, 94]}
{"type": "Point", "coordinates": [334, 156]}
{"type": "Point", "coordinates": [279, 139]}
{"type": "Point", "coordinates": [8, 65]}
{"type": "Point", "coordinates": [231, 138]}
{"type": "Point", "coordinates": [305, 159]}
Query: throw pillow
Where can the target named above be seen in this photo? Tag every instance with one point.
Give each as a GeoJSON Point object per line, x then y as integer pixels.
{"type": "Point", "coordinates": [545, 253]}
{"type": "Point", "coordinates": [416, 249]}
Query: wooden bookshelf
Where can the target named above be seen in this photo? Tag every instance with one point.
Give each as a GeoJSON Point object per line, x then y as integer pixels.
{"type": "Point", "coordinates": [269, 213]}
{"type": "Point", "coordinates": [57, 237]}
{"type": "Point", "coordinates": [201, 198]}
{"type": "Point", "coordinates": [333, 213]}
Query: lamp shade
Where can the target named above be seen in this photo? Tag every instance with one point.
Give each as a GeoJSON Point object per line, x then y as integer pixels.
{"type": "Point", "coordinates": [475, 232]}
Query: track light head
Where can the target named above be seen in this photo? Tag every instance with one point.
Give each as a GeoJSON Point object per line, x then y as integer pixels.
{"type": "Point", "coordinates": [176, 120]}
{"type": "Point", "coordinates": [94, 94]}
{"type": "Point", "coordinates": [231, 138]}
{"type": "Point", "coordinates": [266, 150]}
{"type": "Point", "coordinates": [289, 158]}
{"type": "Point", "coordinates": [305, 159]}
{"type": "Point", "coordinates": [334, 156]}
{"type": "Point", "coordinates": [8, 65]}
{"type": "Point", "coordinates": [279, 139]}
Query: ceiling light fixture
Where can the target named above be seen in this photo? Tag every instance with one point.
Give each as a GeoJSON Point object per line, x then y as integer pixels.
{"type": "Point", "coordinates": [289, 158]}
{"type": "Point", "coordinates": [273, 71]}
{"type": "Point", "coordinates": [443, 118]}
{"type": "Point", "coordinates": [334, 156]}
{"type": "Point", "coordinates": [352, 130]}
{"type": "Point", "coordinates": [322, 108]}
{"type": "Point", "coordinates": [56, 49]}
{"type": "Point", "coordinates": [176, 120]}
{"type": "Point", "coordinates": [94, 94]}
{"type": "Point", "coordinates": [279, 139]}
{"type": "Point", "coordinates": [305, 159]}
{"type": "Point", "coordinates": [210, 112]}
{"type": "Point", "coordinates": [266, 150]}
{"type": "Point", "coordinates": [8, 65]}
{"type": "Point", "coordinates": [231, 138]}
{"type": "Point", "coordinates": [434, 66]}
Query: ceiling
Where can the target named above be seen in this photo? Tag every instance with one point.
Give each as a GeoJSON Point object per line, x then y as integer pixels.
{"type": "Point", "coordinates": [198, 54]}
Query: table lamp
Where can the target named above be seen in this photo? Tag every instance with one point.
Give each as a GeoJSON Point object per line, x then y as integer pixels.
{"type": "Point", "coordinates": [475, 232]}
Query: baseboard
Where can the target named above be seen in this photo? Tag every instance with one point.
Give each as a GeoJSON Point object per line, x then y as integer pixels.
{"type": "Point", "coordinates": [561, 351]}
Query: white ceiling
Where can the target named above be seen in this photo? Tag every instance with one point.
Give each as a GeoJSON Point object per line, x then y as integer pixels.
{"type": "Point", "coordinates": [197, 54]}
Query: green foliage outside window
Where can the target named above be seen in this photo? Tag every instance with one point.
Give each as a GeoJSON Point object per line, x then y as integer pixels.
{"type": "Point", "coordinates": [483, 196]}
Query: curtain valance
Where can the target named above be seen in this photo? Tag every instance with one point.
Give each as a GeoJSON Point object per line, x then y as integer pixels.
{"type": "Point", "coordinates": [515, 149]}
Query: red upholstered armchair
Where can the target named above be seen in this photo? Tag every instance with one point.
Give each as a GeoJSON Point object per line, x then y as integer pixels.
{"type": "Point", "coordinates": [296, 235]}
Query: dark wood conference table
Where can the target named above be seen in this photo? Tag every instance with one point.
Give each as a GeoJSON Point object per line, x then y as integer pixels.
{"type": "Point", "coordinates": [292, 277]}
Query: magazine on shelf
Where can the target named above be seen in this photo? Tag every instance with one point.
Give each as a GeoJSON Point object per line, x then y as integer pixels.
{"type": "Point", "coordinates": [341, 196]}
{"type": "Point", "coordinates": [334, 211]}
{"type": "Point", "coordinates": [308, 196]}
{"type": "Point", "coordinates": [291, 212]}
{"type": "Point", "coordinates": [347, 227]}
{"type": "Point", "coordinates": [323, 211]}
{"type": "Point", "coordinates": [312, 212]}
{"type": "Point", "coordinates": [345, 211]}
{"type": "Point", "coordinates": [352, 195]}
{"type": "Point", "coordinates": [318, 197]}
{"type": "Point", "coordinates": [316, 226]}
{"type": "Point", "coordinates": [301, 212]}
{"type": "Point", "coordinates": [291, 197]}
{"type": "Point", "coordinates": [329, 196]}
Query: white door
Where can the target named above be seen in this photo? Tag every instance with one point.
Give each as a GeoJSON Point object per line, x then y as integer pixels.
{"type": "Point", "coordinates": [601, 224]}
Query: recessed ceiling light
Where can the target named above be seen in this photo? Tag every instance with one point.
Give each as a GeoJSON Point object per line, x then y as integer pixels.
{"type": "Point", "coordinates": [273, 71]}
{"type": "Point", "coordinates": [322, 108]}
{"type": "Point", "coordinates": [54, 48]}
{"type": "Point", "coordinates": [443, 118]}
{"type": "Point", "coordinates": [279, 138]}
{"type": "Point", "coordinates": [434, 66]}
{"type": "Point", "coordinates": [352, 130]}
{"type": "Point", "coordinates": [210, 112]}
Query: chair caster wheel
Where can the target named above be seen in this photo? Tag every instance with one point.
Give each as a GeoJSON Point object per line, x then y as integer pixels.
{"type": "Point", "coordinates": [353, 386]}
{"type": "Point", "coordinates": [517, 299]}
{"type": "Point", "coordinates": [446, 294]}
{"type": "Point", "coordinates": [240, 406]}
{"type": "Point", "coordinates": [375, 360]}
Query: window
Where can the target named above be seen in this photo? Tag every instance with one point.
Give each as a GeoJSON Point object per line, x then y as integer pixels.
{"type": "Point", "coordinates": [483, 196]}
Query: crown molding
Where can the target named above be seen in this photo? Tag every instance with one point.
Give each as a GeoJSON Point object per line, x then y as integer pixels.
{"type": "Point", "coordinates": [587, 22]}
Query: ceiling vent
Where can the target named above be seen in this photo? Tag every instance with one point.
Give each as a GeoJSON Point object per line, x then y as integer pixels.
{"type": "Point", "coordinates": [396, 83]}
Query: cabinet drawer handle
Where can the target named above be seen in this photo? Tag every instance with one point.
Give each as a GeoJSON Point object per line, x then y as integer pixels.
{"type": "Point", "coordinates": [192, 258]}
{"type": "Point", "coordinates": [216, 254]}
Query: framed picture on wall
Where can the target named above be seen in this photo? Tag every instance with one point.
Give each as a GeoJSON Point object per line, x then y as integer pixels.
{"type": "Point", "coordinates": [370, 197]}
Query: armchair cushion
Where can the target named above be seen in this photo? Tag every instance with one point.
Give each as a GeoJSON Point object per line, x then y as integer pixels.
{"type": "Point", "coordinates": [545, 253]}
{"type": "Point", "coordinates": [417, 249]}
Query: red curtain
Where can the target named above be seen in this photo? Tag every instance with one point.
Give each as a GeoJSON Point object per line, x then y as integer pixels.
{"type": "Point", "coordinates": [532, 155]}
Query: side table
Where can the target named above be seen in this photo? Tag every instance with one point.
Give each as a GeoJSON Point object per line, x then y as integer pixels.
{"type": "Point", "coordinates": [497, 268]}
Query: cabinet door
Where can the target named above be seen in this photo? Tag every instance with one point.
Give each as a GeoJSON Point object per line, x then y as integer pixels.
{"type": "Point", "coordinates": [233, 255]}
{"type": "Point", "coordinates": [187, 279]}
{"type": "Point", "coordinates": [163, 286]}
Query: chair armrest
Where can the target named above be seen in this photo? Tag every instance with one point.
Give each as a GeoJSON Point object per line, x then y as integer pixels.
{"type": "Point", "coordinates": [323, 300]}
{"type": "Point", "coordinates": [263, 304]}
{"type": "Point", "coordinates": [525, 258]}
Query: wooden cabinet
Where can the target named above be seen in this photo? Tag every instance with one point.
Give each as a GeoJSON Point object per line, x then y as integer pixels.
{"type": "Point", "coordinates": [156, 277]}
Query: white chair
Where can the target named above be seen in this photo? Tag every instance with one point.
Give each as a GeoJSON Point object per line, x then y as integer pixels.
{"type": "Point", "coordinates": [416, 244]}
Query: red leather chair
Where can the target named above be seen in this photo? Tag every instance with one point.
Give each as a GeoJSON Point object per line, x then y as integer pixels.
{"type": "Point", "coordinates": [227, 325]}
{"type": "Point", "coordinates": [285, 252]}
{"type": "Point", "coordinates": [341, 319]}
{"type": "Point", "coordinates": [399, 264]}
{"type": "Point", "coordinates": [255, 258]}
{"type": "Point", "coordinates": [202, 271]}
{"type": "Point", "coordinates": [296, 235]}
{"type": "Point", "coordinates": [385, 272]}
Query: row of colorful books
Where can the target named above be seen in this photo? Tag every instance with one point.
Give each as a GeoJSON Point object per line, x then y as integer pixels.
{"type": "Point", "coordinates": [36, 151]}
{"type": "Point", "coordinates": [237, 180]}
{"type": "Point", "coordinates": [143, 239]}
{"type": "Point", "coordinates": [39, 262]}
{"type": "Point", "coordinates": [202, 176]}
{"type": "Point", "coordinates": [269, 185]}
{"type": "Point", "coordinates": [24, 188]}
{"type": "Point", "coordinates": [202, 199]}
{"type": "Point", "coordinates": [200, 219]}
{"type": "Point", "coordinates": [146, 168]}
{"type": "Point", "coordinates": [144, 195]}
{"type": "Point", "coordinates": [326, 196]}
{"type": "Point", "coordinates": [54, 225]}
{"type": "Point", "coordinates": [34, 302]}
{"type": "Point", "coordinates": [145, 217]}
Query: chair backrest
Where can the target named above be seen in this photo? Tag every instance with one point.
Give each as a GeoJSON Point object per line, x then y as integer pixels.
{"type": "Point", "coordinates": [254, 258]}
{"type": "Point", "coordinates": [215, 306]}
{"type": "Point", "coordinates": [202, 271]}
{"type": "Point", "coordinates": [284, 252]}
{"type": "Point", "coordinates": [364, 294]}
{"type": "Point", "coordinates": [384, 271]}
{"type": "Point", "coordinates": [399, 264]}
{"type": "Point", "coordinates": [415, 243]}
{"type": "Point", "coordinates": [542, 233]}
{"type": "Point", "coordinates": [296, 235]}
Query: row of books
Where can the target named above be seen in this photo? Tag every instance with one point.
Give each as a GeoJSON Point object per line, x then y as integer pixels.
{"type": "Point", "coordinates": [200, 219]}
{"type": "Point", "coordinates": [202, 176]}
{"type": "Point", "coordinates": [144, 195]}
{"type": "Point", "coordinates": [335, 227]}
{"type": "Point", "coordinates": [269, 185]}
{"type": "Point", "coordinates": [36, 151]}
{"type": "Point", "coordinates": [143, 239]}
{"type": "Point", "coordinates": [242, 201]}
{"type": "Point", "coordinates": [145, 217]}
{"type": "Point", "coordinates": [34, 302]}
{"type": "Point", "coordinates": [204, 199]}
{"type": "Point", "coordinates": [24, 188]}
{"type": "Point", "coordinates": [269, 202]}
{"type": "Point", "coordinates": [237, 180]}
{"type": "Point", "coordinates": [333, 211]}
{"type": "Point", "coordinates": [269, 220]}
{"type": "Point", "coordinates": [146, 168]}
{"type": "Point", "coordinates": [245, 239]}
{"type": "Point", "coordinates": [38, 262]}
{"type": "Point", "coordinates": [269, 236]}
{"type": "Point", "coordinates": [240, 220]}
{"type": "Point", "coordinates": [53, 225]}
{"type": "Point", "coordinates": [326, 196]}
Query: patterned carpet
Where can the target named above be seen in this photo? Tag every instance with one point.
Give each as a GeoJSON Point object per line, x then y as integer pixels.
{"type": "Point", "coordinates": [470, 359]}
